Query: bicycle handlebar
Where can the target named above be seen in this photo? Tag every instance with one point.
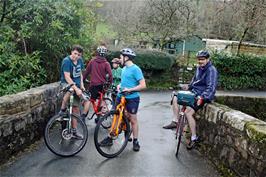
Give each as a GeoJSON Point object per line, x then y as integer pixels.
{"type": "Point", "coordinates": [67, 88]}
{"type": "Point", "coordinates": [84, 96]}
{"type": "Point", "coordinates": [127, 93]}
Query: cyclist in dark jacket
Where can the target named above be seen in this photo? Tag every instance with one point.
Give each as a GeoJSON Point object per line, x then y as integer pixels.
{"type": "Point", "coordinates": [203, 85]}
{"type": "Point", "coordinates": [204, 82]}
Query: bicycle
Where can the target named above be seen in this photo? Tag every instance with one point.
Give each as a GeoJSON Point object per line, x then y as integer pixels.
{"type": "Point", "coordinates": [58, 135]}
{"type": "Point", "coordinates": [101, 106]}
{"type": "Point", "coordinates": [185, 98]}
{"type": "Point", "coordinates": [119, 131]}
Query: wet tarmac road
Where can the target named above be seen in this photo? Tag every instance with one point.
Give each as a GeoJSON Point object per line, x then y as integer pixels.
{"type": "Point", "coordinates": [155, 158]}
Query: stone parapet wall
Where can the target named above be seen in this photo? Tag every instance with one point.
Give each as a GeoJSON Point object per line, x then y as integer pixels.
{"type": "Point", "coordinates": [23, 117]}
{"type": "Point", "coordinates": [233, 139]}
{"type": "Point", "coordinates": [254, 106]}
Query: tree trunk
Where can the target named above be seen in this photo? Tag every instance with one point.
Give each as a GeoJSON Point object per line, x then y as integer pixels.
{"type": "Point", "coordinates": [241, 39]}
{"type": "Point", "coordinates": [4, 11]}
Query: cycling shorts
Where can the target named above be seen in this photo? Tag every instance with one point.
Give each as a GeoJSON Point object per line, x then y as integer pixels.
{"type": "Point", "coordinates": [94, 90]}
{"type": "Point", "coordinates": [132, 104]}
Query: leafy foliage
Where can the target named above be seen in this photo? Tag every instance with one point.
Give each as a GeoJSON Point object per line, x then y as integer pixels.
{"type": "Point", "coordinates": [36, 35]}
{"type": "Point", "coordinates": [150, 60]}
{"type": "Point", "coordinates": [156, 67]}
{"type": "Point", "coordinates": [241, 72]}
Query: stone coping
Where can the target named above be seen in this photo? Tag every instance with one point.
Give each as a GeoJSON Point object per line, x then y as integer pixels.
{"type": "Point", "coordinates": [24, 101]}
{"type": "Point", "coordinates": [254, 128]}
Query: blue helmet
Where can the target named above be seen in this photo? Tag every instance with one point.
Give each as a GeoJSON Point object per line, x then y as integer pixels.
{"type": "Point", "coordinates": [203, 53]}
{"type": "Point", "coordinates": [128, 52]}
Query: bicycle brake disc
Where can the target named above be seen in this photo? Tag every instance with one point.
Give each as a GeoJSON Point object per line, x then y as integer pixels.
{"type": "Point", "coordinates": [66, 134]}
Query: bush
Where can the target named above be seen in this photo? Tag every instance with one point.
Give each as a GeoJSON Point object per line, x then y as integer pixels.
{"type": "Point", "coordinates": [36, 35]}
{"type": "Point", "coordinates": [20, 73]}
{"type": "Point", "coordinates": [156, 67]}
{"type": "Point", "coordinates": [149, 60]}
{"type": "Point", "coordinates": [241, 72]}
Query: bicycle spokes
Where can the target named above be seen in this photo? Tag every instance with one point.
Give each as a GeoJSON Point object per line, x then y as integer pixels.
{"type": "Point", "coordinates": [118, 136]}
{"type": "Point", "coordinates": [63, 139]}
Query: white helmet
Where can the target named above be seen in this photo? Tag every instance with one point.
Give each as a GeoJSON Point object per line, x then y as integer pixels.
{"type": "Point", "coordinates": [102, 50]}
{"type": "Point", "coordinates": [128, 52]}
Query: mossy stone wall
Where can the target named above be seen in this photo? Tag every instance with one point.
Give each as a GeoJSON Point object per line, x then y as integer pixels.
{"type": "Point", "coordinates": [233, 139]}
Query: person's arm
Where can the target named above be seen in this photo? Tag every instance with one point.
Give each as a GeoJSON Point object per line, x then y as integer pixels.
{"type": "Point", "coordinates": [81, 83]}
{"type": "Point", "coordinates": [87, 71]}
{"type": "Point", "coordinates": [192, 81]}
{"type": "Point", "coordinates": [81, 77]}
{"type": "Point", "coordinates": [211, 83]}
{"type": "Point", "coordinates": [109, 71]}
{"type": "Point", "coordinates": [140, 78]}
{"type": "Point", "coordinates": [141, 86]}
{"type": "Point", "coordinates": [70, 81]}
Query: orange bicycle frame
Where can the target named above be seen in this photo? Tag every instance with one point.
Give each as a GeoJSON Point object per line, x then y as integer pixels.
{"type": "Point", "coordinates": [118, 118]}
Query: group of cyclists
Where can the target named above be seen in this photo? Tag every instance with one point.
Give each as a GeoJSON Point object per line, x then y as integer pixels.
{"type": "Point", "coordinates": [130, 79]}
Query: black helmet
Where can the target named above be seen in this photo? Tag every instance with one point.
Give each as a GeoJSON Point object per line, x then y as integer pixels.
{"type": "Point", "coordinates": [203, 53]}
{"type": "Point", "coordinates": [128, 52]}
{"type": "Point", "coordinates": [102, 50]}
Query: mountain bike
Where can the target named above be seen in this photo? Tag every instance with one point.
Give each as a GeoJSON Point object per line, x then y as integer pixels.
{"type": "Point", "coordinates": [59, 131]}
{"type": "Point", "coordinates": [119, 131]}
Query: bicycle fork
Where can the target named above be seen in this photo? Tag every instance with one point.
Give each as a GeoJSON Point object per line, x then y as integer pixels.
{"type": "Point", "coordinates": [117, 120]}
{"type": "Point", "coordinates": [70, 112]}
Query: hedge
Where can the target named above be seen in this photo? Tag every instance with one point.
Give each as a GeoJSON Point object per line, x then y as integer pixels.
{"type": "Point", "coordinates": [241, 72]}
{"type": "Point", "coordinates": [149, 60]}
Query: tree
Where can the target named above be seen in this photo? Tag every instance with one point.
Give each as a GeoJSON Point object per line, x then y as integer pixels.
{"type": "Point", "coordinates": [164, 19]}
{"type": "Point", "coordinates": [252, 13]}
{"type": "Point", "coordinates": [36, 35]}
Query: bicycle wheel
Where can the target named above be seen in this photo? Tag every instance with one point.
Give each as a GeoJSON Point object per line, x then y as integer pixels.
{"type": "Point", "coordinates": [107, 122]}
{"type": "Point", "coordinates": [118, 143]}
{"type": "Point", "coordinates": [61, 140]}
{"type": "Point", "coordinates": [179, 132]}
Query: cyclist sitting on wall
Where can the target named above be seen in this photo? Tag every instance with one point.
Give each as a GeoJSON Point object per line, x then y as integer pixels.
{"type": "Point", "coordinates": [71, 69]}
{"type": "Point", "coordinates": [203, 85]}
{"type": "Point", "coordinates": [97, 68]}
{"type": "Point", "coordinates": [132, 80]}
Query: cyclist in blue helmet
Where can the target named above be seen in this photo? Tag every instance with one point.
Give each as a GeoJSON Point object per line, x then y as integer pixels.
{"type": "Point", "coordinates": [132, 80]}
{"type": "Point", "coordinates": [203, 85]}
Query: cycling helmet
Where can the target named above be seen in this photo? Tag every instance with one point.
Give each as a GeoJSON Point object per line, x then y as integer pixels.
{"type": "Point", "coordinates": [128, 52]}
{"type": "Point", "coordinates": [102, 50]}
{"type": "Point", "coordinates": [203, 53]}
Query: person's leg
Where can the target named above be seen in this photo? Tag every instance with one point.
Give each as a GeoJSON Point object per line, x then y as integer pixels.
{"type": "Point", "coordinates": [192, 124]}
{"type": "Point", "coordinates": [87, 104]}
{"type": "Point", "coordinates": [64, 104]}
{"type": "Point", "coordinates": [132, 109]}
{"type": "Point", "coordinates": [75, 110]}
{"type": "Point", "coordinates": [134, 124]}
{"type": "Point", "coordinates": [175, 109]}
{"type": "Point", "coordinates": [86, 107]}
{"type": "Point", "coordinates": [191, 121]}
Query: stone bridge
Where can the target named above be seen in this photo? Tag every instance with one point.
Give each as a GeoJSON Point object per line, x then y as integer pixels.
{"type": "Point", "coordinates": [232, 139]}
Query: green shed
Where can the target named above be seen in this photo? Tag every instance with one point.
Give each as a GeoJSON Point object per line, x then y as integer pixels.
{"type": "Point", "coordinates": [190, 44]}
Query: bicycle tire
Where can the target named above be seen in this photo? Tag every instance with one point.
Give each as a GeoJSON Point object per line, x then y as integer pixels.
{"type": "Point", "coordinates": [179, 132]}
{"type": "Point", "coordinates": [100, 133]}
{"type": "Point", "coordinates": [55, 138]}
{"type": "Point", "coordinates": [106, 123]}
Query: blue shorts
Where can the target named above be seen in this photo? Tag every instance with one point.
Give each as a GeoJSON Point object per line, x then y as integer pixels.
{"type": "Point", "coordinates": [132, 104]}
